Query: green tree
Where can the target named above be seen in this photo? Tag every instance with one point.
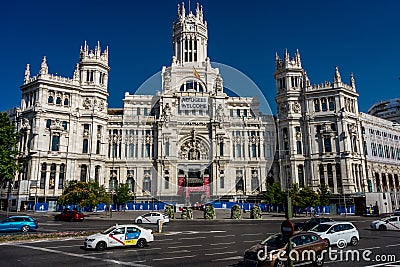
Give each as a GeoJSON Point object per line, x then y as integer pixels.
{"type": "Point", "coordinates": [124, 194]}
{"type": "Point", "coordinates": [324, 195]}
{"type": "Point", "coordinates": [309, 198]}
{"type": "Point", "coordinates": [8, 149]}
{"type": "Point", "coordinates": [274, 194]}
{"type": "Point", "coordinates": [84, 194]}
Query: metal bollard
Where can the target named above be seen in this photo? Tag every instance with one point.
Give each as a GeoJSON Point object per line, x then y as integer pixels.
{"type": "Point", "coordinates": [159, 225]}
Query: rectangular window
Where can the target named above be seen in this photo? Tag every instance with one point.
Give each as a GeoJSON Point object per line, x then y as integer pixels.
{"type": "Point", "coordinates": [166, 184]}
{"type": "Point", "coordinates": [166, 149]}
{"type": "Point", "coordinates": [327, 144]}
{"type": "Point", "coordinates": [55, 143]}
{"type": "Point", "coordinates": [85, 146]}
{"type": "Point", "coordinates": [43, 176]}
{"type": "Point", "coordinates": [221, 149]}
{"type": "Point", "coordinates": [61, 177]}
{"type": "Point", "coordinates": [299, 147]}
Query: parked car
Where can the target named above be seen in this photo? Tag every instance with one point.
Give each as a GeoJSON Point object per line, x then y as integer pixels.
{"type": "Point", "coordinates": [396, 212]}
{"type": "Point", "coordinates": [307, 225]}
{"type": "Point", "coordinates": [152, 217]}
{"type": "Point", "coordinates": [388, 223]}
{"type": "Point", "coordinates": [332, 232]}
{"type": "Point", "coordinates": [18, 223]}
{"type": "Point", "coordinates": [276, 245]}
{"type": "Point", "coordinates": [70, 216]}
{"type": "Point", "coordinates": [119, 236]}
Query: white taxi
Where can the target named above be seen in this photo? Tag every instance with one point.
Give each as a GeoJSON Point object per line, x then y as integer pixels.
{"type": "Point", "coordinates": [119, 236]}
{"type": "Point", "coordinates": [152, 217]}
{"type": "Point", "coordinates": [388, 223]}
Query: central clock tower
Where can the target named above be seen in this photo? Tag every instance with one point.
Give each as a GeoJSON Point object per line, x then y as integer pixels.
{"type": "Point", "coordinates": [189, 37]}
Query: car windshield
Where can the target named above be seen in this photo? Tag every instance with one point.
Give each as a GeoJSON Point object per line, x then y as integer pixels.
{"type": "Point", "coordinates": [321, 228]}
{"type": "Point", "coordinates": [278, 241]}
{"type": "Point", "coordinates": [109, 230]}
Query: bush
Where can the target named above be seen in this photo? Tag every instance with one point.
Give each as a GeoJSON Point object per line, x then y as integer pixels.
{"type": "Point", "coordinates": [236, 212]}
{"type": "Point", "coordinates": [169, 210]}
{"type": "Point", "coordinates": [187, 213]}
{"type": "Point", "coordinates": [209, 212]}
{"type": "Point", "coordinates": [255, 212]}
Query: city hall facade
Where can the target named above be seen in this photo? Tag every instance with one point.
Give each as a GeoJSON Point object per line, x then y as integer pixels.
{"type": "Point", "coordinates": [188, 143]}
{"type": "Point", "coordinates": [191, 141]}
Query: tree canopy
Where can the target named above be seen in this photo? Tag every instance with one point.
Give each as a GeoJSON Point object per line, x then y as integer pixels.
{"type": "Point", "coordinates": [324, 195]}
{"type": "Point", "coordinates": [8, 148]}
{"type": "Point", "coordinates": [124, 194]}
{"type": "Point", "coordinates": [84, 194]}
{"type": "Point", "coordinates": [274, 194]}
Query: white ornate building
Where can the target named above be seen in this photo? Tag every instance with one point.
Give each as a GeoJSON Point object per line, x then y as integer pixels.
{"type": "Point", "coordinates": [324, 139]}
{"type": "Point", "coordinates": [191, 142]}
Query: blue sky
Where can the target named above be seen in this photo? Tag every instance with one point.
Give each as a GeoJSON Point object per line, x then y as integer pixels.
{"type": "Point", "coordinates": [358, 36]}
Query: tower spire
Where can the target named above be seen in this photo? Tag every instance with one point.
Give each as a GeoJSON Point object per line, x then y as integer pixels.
{"type": "Point", "coordinates": [337, 77]}
{"type": "Point", "coordinates": [352, 82]}
{"type": "Point", "coordinates": [27, 74]}
{"type": "Point", "coordinates": [44, 69]}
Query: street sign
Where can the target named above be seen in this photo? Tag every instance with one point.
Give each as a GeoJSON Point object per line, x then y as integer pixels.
{"type": "Point", "coordinates": [287, 228]}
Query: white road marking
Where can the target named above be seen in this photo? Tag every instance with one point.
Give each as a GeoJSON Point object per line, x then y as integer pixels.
{"type": "Point", "coordinates": [179, 251]}
{"type": "Point", "coordinates": [217, 244]}
{"type": "Point", "coordinates": [220, 253]}
{"type": "Point", "coordinates": [382, 264]}
{"type": "Point", "coordinates": [190, 238]}
{"type": "Point", "coordinates": [216, 231]}
{"type": "Point", "coordinates": [214, 248]}
{"type": "Point", "coordinates": [228, 259]}
{"type": "Point", "coordinates": [82, 256]}
{"type": "Point", "coordinates": [368, 248]}
{"type": "Point", "coordinates": [251, 241]}
{"type": "Point", "coordinates": [395, 245]}
{"type": "Point", "coordinates": [254, 234]}
{"type": "Point", "coordinates": [222, 236]}
{"type": "Point", "coordinates": [173, 258]}
{"type": "Point", "coordinates": [162, 240]}
{"type": "Point", "coordinates": [188, 246]}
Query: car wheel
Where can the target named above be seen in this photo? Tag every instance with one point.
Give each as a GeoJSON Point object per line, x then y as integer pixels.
{"type": "Point", "coordinates": [354, 241]}
{"type": "Point", "coordinates": [280, 263]}
{"type": "Point", "coordinates": [101, 245]}
{"type": "Point", "coordinates": [139, 221]}
{"type": "Point", "coordinates": [141, 243]}
{"type": "Point", "coordinates": [25, 228]}
{"type": "Point", "coordinates": [382, 227]}
{"type": "Point", "coordinates": [327, 243]}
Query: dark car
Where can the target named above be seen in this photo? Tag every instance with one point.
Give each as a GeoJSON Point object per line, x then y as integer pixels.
{"type": "Point", "coordinates": [271, 251]}
{"type": "Point", "coordinates": [307, 225]}
{"type": "Point", "coordinates": [70, 216]}
{"type": "Point", "coordinates": [18, 223]}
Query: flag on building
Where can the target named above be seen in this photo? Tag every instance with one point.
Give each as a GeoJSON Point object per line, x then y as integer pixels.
{"type": "Point", "coordinates": [196, 74]}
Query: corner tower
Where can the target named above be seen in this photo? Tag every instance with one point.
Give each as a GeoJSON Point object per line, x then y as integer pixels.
{"type": "Point", "coordinates": [189, 38]}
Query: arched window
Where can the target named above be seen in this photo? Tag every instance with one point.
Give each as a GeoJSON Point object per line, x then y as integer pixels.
{"type": "Point", "coordinates": [58, 101]}
{"type": "Point", "coordinates": [66, 102]}
{"type": "Point", "coordinates": [61, 176]}
{"type": "Point", "coordinates": [300, 173]}
{"type": "Point", "coordinates": [52, 180]}
{"type": "Point", "coordinates": [253, 150]}
{"type": "Point", "coordinates": [131, 184]}
{"type": "Point", "coordinates": [316, 105]}
{"type": "Point", "coordinates": [85, 146]}
{"type": "Point", "coordinates": [83, 173]}
{"type": "Point", "coordinates": [321, 174]}
{"type": "Point", "coordinates": [43, 175]}
{"type": "Point", "coordinates": [50, 100]}
{"type": "Point", "coordinates": [113, 184]}
{"type": "Point", "coordinates": [146, 184]}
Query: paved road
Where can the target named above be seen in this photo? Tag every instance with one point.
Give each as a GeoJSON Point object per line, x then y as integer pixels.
{"type": "Point", "coordinates": [191, 243]}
